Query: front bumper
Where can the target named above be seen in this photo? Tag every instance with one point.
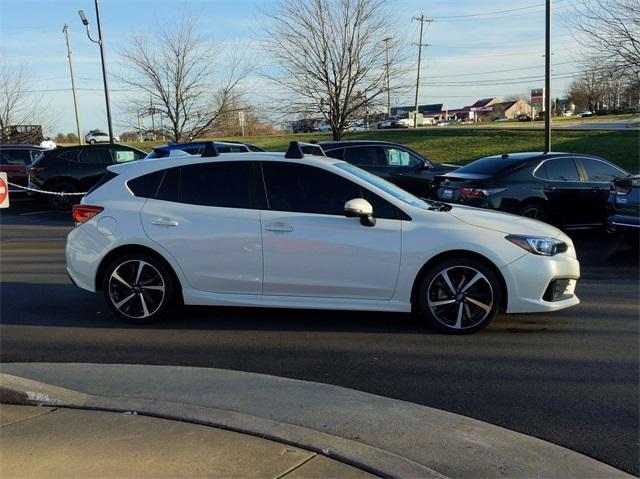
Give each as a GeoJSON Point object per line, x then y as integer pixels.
{"type": "Point", "coordinates": [530, 277]}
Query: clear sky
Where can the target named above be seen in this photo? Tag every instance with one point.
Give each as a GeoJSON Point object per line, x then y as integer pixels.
{"type": "Point", "coordinates": [479, 48]}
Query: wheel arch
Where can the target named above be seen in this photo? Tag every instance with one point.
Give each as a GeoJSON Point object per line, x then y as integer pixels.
{"type": "Point", "coordinates": [459, 253]}
{"type": "Point", "coordinates": [131, 249]}
{"type": "Point", "coordinates": [536, 200]}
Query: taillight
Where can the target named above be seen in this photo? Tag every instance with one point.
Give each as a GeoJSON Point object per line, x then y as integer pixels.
{"type": "Point", "coordinates": [620, 190]}
{"type": "Point", "coordinates": [83, 213]}
{"type": "Point", "coordinates": [471, 192]}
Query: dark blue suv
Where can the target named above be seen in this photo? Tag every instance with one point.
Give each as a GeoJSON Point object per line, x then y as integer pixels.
{"type": "Point", "coordinates": [197, 147]}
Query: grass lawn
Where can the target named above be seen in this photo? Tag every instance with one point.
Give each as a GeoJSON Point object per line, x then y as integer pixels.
{"type": "Point", "coordinates": [463, 145]}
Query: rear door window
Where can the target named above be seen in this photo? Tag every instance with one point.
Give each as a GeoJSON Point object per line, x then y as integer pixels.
{"type": "Point", "coordinates": [561, 169]}
{"type": "Point", "coordinates": [95, 156]}
{"type": "Point", "coordinates": [601, 172]}
{"type": "Point", "coordinates": [365, 156]}
{"type": "Point", "coordinates": [398, 157]}
{"type": "Point", "coordinates": [15, 157]}
{"type": "Point", "coordinates": [123, 156]}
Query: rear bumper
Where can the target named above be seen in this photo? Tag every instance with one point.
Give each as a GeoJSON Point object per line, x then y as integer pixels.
{"type": "Point", "coordinates": [83, 254]}
{"type": "Point", "coordinates": [529, 277]}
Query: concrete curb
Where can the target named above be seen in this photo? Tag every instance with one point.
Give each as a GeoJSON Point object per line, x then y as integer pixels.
{"type": "Point", "coordinates": [383, 436]}
{"type": "Point", "coordinates": [17, 390]}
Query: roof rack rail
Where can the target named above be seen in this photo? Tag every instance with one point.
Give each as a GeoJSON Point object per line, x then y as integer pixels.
{"type": "Point", "coordinates": [298, 149]}
{"type": "Point", "coordinates": [209, 150]}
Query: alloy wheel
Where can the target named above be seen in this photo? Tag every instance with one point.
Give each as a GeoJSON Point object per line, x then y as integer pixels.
{"type": "Point", "coordinates": [532, 212]}
{"type": "Point", "coordinates": [460, 297]}
{"type": "Point", "coordinates": [136, 289]}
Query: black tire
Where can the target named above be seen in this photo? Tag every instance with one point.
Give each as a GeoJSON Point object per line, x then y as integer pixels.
{"type": "Point", "coordinates": [92, 141]}
{"type": "Point", "coordinates": [62, 203]}
{"type": "Point", "coordinates": [147, 303]}
{"type": "Point", "coordinates": [463, 309]}
{"type": "Point", "coordinates": [534, 211]}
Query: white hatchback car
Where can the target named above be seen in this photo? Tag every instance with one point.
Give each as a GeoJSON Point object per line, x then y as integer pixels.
{"type": "Point", "coordinates": [306, 231]}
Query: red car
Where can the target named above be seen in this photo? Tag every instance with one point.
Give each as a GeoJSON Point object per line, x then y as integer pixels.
{"type": "Point", "coordinates": [15, 161]}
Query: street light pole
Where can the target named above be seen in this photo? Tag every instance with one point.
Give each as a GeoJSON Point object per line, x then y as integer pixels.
{"type": "Point", "coordinates": [386, 47]}
{"type": "Point", "coordinates": [100, 41]}
{"type": "Point", "coordinates": [547, 79]}
{"type": "Point", "coordinates": [65, 30]}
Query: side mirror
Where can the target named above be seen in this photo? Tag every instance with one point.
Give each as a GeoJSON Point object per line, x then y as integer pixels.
{"type": "Point", "coordinates": [360, 208]}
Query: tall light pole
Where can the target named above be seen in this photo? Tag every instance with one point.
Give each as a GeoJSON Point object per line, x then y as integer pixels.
{"type": "Point", "coordinates": [100, 41]}
{"type": "Point", "coordinates": [386, 47]}
{"type": "Point", "coordinates": [547, 78]}
{"type": "Point", "coordinates": [65, 30]}
{"type": "Point", "coordinates": [422, 21]}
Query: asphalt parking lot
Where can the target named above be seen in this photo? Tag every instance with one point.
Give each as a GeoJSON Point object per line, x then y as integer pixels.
{"type": "Point", "coordinates": [570, 377]}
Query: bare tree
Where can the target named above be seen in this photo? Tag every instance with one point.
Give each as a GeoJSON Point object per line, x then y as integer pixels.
{"type": "Point", "coordinates": [183, 75]}
{"type": "Point", "coordinates": [587, 91]}
{"type": "Point", "coordinates": [331, 56]}
{"type": "Point", "coordinates": [610, 30]}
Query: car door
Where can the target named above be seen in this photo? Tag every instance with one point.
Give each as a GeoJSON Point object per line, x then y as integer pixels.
{"type": "Point", "coordinates": [205, 215]}
{"type": "Point", "coordinates": [91, 164]}
{"type": "Point", "coordinates": [597, 176]}
{"type": "Point", "coordinates": [408, 171]}
{"type": "Point", "coordinates": [311, 249]}
{"type": "Point", "coordinates": [564, 190]}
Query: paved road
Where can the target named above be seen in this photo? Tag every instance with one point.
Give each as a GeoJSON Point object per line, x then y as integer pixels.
{"type": "Point", "coordinates": [570, 377]}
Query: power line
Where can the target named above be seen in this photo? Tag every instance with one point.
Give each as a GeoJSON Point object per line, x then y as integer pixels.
{"type": "Point", "coordinates": [495, 12]}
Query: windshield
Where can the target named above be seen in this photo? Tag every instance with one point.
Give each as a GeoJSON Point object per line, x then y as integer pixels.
{"type": "Point", "coordinates": [384, 185]}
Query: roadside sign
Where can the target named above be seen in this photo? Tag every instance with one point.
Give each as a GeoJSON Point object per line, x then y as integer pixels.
{"type": "Point", "coordinates": [4, 191]}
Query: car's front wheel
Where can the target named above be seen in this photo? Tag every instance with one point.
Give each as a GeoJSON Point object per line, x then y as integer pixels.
{"type": "Point", "coordinates": [459, 295]}
{"type": "Point", "coordinates": [92, 141]}
{"type": "Point", "coordinates": [138, 288]}
{"type": "Point", "coordinates": [534, 211]}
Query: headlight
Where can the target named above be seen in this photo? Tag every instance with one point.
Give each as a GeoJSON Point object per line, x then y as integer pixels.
{"type": "Point", "coordinates": [539, 244]}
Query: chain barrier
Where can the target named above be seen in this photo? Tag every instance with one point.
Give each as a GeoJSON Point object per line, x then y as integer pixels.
{"type": "Point", "coordinates": [45, 192]}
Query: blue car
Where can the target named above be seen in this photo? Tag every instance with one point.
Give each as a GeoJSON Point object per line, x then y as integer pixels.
{"type": "Point", "coordinates": [197, 147]}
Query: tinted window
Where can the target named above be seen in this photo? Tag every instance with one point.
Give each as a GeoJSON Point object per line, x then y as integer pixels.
{"type": "Point", "coordinates": [307, 189]}
{"type": "Point", "coordinates": [398, 157]}
{"type": "Point", "coordinates": [365, 155]}
{"type": "Point", "coordinates": [335, 153]}
{"type": "Point", "coordinates": [170, 187]}
{"type": "Point", "coordinates": [71, 155]}
{"type": "Point", "coordinates": [146, 186]}
{"type": "Point", "coordinates": [15, 157]}
{"type": "Point", "coordinates": [562, 169]}
{"type": "Point", "coordinates": [225, 184]}
{"type": "Point", "coordinates": [95, 156]}
{"type": "Point", "coordinates": [600, 171]}
{"type": "Point", "coordinates": [490, 165]}
{"type": "Point", "coordinates": [232, 149]}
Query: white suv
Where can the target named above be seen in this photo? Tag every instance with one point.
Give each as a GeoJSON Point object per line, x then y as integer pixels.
{"type": "Point", "coordinates": [305, 231]}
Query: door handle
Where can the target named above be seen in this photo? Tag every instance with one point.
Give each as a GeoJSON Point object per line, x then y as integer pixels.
{"type": "Point", "coordinates": [279, 227]}
{"type": "Point", "coordinates": [549, 188]}
{"type": "Point", "coordinates": [164, 222]}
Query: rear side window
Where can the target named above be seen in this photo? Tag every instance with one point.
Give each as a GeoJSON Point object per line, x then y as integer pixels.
{"type": "Point", "coordinates": [122, 156]}
{"type": "Point", "coordinates": [561, 169]}
{"type": "Point", "coordinates": [221, 184]}
{"type": "Point", "coordinates": [170, 189]}
{"type": "Point", "coordinates": [601, 172]}
{"type": "Point", "coordinates": [337, 154]}
{"type": "Point", "coordinates": [69, 155]}
{"type": "Point", "coordinates": [146, 186]}
{"type": "Point", "coordinates": [15, 157]}
{"type": "Point", "coordinates": [365, 156]}
{"type": "Point", "coordinates": [95, 156]}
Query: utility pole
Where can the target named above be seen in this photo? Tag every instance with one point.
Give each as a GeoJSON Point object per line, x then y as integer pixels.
{"type": "Point", "coordinates": [422, 19]}
{"type": "Point", "coordinates": [152, 112]}
{"type": "Point", "coordinates": [100, 41]}
{"type": "Point", "coordinates": [547, 79]}
{"type": "Point", "coordinates": [65, 30]}
{"type": "Point", "coordinates": [386, 47]}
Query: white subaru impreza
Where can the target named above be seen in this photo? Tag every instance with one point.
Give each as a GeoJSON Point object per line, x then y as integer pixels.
{"type": "Point", "coordinates": [302, 230]}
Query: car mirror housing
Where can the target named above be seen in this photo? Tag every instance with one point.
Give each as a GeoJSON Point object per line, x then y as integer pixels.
{"type": "Point", "coordinates": [360, 208]}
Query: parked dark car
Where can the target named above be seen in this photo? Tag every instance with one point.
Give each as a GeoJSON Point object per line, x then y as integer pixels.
{"type": "Point", "coordinates": [566, 189]}
{"type": "Point", "coordinates": [76, 169]}
{"type": "Point", "coordinates": [197, 147]}
{"type": "Point", "coordinates": [15, 161]}
{"type": "Point", "coordinates": [395, 163]}
{"type": "Point", "coordinates": [623, 208]}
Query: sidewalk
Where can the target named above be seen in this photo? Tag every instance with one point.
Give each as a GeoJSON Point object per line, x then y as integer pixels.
{"type": "Point", "coordinates": [383, 436]}
{"type": "Point", "coordinates": [46, 442]}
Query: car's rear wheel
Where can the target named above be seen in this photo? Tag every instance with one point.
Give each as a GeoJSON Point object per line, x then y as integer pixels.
{"type": "Point", "coordinates": [92, 141]}
{"type": "Point", "coordinates": [534, 211]}
{"type": "Point", "coordinates": [64, 200]}
{"type": "Point", "coordinates": [138, 288]}
{"type": "Point", "coordinates": [459, 295]}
